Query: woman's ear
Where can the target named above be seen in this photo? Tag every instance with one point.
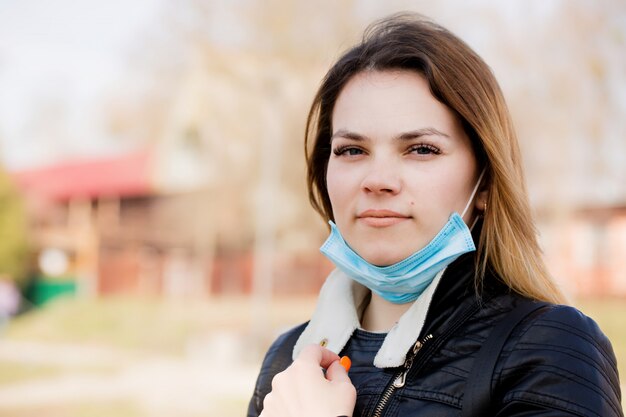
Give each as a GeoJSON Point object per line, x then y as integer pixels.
{"type": "Point", "coordinates": [480, 203]}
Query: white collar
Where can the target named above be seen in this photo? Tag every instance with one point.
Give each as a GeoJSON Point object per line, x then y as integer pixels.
{"type": "Point", "coordinates": [336, 316]}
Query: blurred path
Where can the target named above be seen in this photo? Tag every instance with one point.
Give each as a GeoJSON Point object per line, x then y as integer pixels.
{"type": "Point", "coordinates": [209, 374]}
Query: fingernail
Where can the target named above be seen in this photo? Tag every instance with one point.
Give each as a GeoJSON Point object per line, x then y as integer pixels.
{"type": "Point", "coordinates": [345, 362]}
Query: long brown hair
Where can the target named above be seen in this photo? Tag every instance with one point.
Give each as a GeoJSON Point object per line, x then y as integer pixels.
{"type": "Point", "coordinates": [461, 80]}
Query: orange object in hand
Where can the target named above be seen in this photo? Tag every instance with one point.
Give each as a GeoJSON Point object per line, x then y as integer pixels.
{"type": "Point", "coordinates": [345, 362]}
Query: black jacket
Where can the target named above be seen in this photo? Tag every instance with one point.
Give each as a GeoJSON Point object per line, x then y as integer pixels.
{"type": "Point", "coordinates": [556, 362]}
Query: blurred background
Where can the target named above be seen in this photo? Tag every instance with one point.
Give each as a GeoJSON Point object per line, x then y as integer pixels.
{"type": "Point", "coordinates": [155, 232]}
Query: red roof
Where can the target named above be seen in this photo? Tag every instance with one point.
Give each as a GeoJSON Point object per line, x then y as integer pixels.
{"type": "Point", "coordinates": [120, 176]}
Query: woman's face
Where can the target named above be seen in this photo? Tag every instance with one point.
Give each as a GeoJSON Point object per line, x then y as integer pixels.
{"type": "Point", "coordinates": [400, 165]}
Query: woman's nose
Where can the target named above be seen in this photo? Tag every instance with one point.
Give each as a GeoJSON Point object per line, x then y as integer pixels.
{"type": "Point", "coordinates": [382, 177]}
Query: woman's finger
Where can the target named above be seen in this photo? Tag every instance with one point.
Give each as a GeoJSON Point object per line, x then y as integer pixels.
{"type": "Point", "coordinates": [337, 373]}
{"type": "Point", "coordinates": [318, 355]}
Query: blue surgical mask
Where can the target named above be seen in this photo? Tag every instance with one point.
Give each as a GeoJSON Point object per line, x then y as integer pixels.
{"type": "Point", "coordinates": [404, 281]}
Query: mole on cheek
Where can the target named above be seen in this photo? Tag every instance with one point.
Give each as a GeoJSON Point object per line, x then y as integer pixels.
{"type": "Point", "coordinates": [412, 203]}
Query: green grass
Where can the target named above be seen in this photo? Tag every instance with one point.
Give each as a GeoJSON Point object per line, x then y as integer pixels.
{"type": "Point", "coordinates": [11, 372]}
{"type": "Point", "coordinates": [135, 324]}
{"type": "Point", "coordinates": [123, 323]}
{"type": "Point", "coordinates": [149, 324]}
{"type": "Point", "coordinates": [16, 372]}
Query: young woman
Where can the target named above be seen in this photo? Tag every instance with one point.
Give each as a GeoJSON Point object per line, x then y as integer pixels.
{"type": "Point", "coordinates": [413, 160]}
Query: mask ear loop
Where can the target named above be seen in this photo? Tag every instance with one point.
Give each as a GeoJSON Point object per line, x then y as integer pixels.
{"type": "Point", "coordinates": [469, 202]}
{"type": "Point", "coordinates": [474, 224]}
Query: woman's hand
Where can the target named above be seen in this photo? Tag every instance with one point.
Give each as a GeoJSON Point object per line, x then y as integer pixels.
{"type": "Point", "coordinates": [303, 390]}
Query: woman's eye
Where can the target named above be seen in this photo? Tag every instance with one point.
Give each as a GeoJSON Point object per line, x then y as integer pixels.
{"type": "Point", "coordinates": [347, 150]}
{"type": "Point", "coordinates": [425, 149]}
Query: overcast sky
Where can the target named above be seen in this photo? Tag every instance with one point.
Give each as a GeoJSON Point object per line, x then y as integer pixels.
{"type": "Point", "coordinates": [64, 53]}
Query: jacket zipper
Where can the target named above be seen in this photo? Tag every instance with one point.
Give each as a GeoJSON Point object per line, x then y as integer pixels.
{"type": "Point", "coordinates": [400, 378]}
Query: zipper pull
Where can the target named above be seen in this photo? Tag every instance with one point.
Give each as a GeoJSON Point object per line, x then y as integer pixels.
{"type": "Point", "coordinates": [401, 379]}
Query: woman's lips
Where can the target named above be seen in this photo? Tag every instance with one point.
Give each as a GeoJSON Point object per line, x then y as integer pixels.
{"type": "Point", "coordinates": [381, 218]}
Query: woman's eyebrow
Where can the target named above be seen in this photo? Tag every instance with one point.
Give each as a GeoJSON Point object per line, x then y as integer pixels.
{"type": "Point", "coordinates": [413, 134]}
{"type": "Point", "coordinates": [344, 133]}
{"type": "Point", "coordinates": [427, 131]}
